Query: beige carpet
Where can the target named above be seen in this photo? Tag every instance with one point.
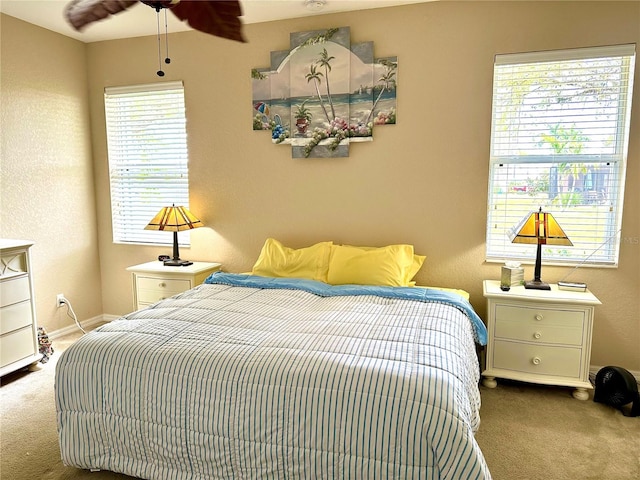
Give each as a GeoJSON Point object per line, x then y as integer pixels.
{"type": "Point", "coordinates": [533, 432]}
{"type": "Point", "coordinates": [528, 432]}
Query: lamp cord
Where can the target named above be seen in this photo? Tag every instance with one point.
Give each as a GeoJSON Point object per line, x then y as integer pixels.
{"type": "Point", "coordinates": [590, 255]}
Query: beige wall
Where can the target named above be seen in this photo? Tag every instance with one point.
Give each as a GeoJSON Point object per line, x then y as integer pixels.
{"type": "Point", "coordinates": [422, 181]}
{"type": "Point", "coordinates": [47, 192]}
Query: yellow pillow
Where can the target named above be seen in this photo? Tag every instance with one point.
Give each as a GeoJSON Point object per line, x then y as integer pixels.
{"type": "Point", "coordinates": [276, 260]}
{"type": "Point", "coordinates": [388, 266]}
{"type": "Point", "coordinates": [416, 265]}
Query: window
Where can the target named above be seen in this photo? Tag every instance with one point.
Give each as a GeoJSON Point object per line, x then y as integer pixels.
{"type": "Point", "coordinates": [559, 138]}
{"type": "Point", "coordinates": [147, 141]}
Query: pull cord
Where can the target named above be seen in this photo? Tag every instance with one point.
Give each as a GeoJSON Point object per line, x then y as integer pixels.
{"type": "Point", "coordinates": [160, 73]}
{"type": "Point", "coordinates": [167, 60]}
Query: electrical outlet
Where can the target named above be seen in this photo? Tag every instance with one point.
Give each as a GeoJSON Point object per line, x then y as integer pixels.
{"type": "Point", "coordinates": [60, 300]}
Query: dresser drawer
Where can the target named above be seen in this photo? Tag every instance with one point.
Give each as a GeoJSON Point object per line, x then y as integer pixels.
{"type": "Point", "coordinates": [14, 291]}
{"type": "Point", "coordinates": [537, 359]}
{"type": "Point", "coordinates": [13, 317]}
{"type": "Point", "coordinates": [16, 345]}
{"type": "Point", "coordinates": [15, 262]}
{"type": "Point", "coordinates": [153, 289]}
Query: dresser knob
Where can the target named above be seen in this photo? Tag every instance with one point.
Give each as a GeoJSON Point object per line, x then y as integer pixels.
{"type": "Point", "coordinates": [162, 284]}
{"type": "Point", "coordinates": [537, 335]}
{"type": "Point", "coordinates": [538, 317]}
{"type": "Point", "coordinates": [536, 360]}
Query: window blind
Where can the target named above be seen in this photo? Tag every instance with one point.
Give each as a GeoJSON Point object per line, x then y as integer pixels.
{"type": "Point", "coordinates": [147, 148]}
{"type": "Point", "coordinates": [559, 138]}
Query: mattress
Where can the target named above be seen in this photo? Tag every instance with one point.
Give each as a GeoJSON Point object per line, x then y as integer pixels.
{"type": "Point", "coordinates": [255, 378]}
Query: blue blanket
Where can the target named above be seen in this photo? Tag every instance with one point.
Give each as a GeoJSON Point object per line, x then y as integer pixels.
{"type": "Point", "coordinates": [326, 290]}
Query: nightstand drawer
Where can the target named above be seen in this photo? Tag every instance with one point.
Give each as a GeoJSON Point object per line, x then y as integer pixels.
{"type": "Point", "coordinates": [537, 359]}
{"type": "Point", "coordinates": [553, 326]}
{"type": "Point", "coordinates": [164, 284]}
{"type": "Point", "coordinates": [540, 315]}
{"type": "Point", "coordinates": [13, 317]}
{"type": "Point", "coordinates": [153, 296]}
{"type": "Point", "coordinates": [148, 297]}
{"type": "Point", "coordinates": [153, 289]}
{"type": "Point", "coordinates": [14, 291]}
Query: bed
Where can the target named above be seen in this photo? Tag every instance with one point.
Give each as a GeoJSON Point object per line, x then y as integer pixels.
{"type": "Point", "coordinates": [252, 377]}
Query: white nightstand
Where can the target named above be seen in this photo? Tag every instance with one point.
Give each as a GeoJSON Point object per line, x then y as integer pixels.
{"type": "Point", "coordinates": [152, 281]}
{"type": "Point", "coordinates": [539, 336]}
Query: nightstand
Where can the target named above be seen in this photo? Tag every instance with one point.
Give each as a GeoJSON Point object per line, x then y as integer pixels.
{"type": "Point", "coordinates": [539, 336]}
{"type": "Point", "coordinates": [153, 281]}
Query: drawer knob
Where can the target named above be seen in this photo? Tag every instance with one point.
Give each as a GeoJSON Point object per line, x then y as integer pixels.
{"type": "Point", "coordinates": [536, 360]}
{"type": "Point", "coordinates": [537, 335]}
{"type": "Point", "coordinates": [538, 317]}
{"type": "Point", "coordinates": [162, 284]}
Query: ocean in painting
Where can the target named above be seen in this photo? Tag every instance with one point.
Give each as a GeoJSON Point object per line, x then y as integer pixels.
{"type": "Point", "coordinates": [354, 107]}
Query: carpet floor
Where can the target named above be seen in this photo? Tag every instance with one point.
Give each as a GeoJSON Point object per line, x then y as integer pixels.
{"type": "Point", "coordinates": [528, 432]}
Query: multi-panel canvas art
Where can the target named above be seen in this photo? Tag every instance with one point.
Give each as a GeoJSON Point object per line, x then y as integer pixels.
{"type": "Point", "coordinates": [324, 93]}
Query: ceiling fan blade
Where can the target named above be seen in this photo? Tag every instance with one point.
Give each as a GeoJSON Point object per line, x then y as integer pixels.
{"type": "Point", "coordinates": [80, 13]}
{"type": "Point", "coordinates": [216, 17]}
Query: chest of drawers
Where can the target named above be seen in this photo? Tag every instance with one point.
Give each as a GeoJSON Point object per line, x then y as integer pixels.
{"type": "Point", "coordinates": [18, 328]}
{"type": "Point", "coordinates": [539, 336]}
{"type": "Point", "coordinates": [153, 281]}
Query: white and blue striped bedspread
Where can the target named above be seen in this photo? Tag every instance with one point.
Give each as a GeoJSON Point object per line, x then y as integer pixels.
{"type": "Point", "coordinates": [243, 382]}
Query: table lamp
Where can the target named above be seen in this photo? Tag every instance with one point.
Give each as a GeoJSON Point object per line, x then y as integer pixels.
{"type": "Point", "coordinates": [174, 219]}
{"type": "Point", "coordinates": [540, 228]}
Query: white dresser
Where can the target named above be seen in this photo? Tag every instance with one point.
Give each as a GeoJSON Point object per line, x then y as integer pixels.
{"type": "Point", "coordinates": [18, 328]}
{"type": "Point", "coordinates": [153, 281]}
{"type": "Point", "coordinates": [539, 336]}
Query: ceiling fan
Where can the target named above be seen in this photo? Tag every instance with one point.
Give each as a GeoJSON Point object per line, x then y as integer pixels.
{"type": "Point", "coordinates": [220, 18]}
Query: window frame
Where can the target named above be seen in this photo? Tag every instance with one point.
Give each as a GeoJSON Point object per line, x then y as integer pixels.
{"type": "Point", "coordinates": [604, 251]}
{"type": "Point", "coordinates": [147, 157]}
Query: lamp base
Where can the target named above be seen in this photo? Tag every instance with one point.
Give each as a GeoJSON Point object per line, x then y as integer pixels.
{"type": "Point", "coordinates": [177, 263]}
{"type": "Point", "coordinates": [537, 285]}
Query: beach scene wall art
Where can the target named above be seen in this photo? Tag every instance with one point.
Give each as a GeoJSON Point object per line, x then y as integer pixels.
{"type": "Point", "coordinates": [324, 93]}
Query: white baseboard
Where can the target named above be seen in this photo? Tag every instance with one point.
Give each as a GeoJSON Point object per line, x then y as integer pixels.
{"type": "Point", "coordinates": [87, 325]}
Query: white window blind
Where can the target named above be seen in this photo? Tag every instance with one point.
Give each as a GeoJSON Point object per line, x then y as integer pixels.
{"type": "Point", "coordinates": [147, 142]}
{"type": "Point", "coordinates": [559, 138]}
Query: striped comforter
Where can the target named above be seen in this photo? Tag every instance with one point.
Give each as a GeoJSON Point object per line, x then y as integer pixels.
{"type": "Point", "coordinates": [239, 380]}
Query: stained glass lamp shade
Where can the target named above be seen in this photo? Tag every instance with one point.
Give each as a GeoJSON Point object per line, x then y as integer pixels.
{"type": "Point", "coordinates": [539, 228]}
{"type": "Point", "coordinates": [174, 219]}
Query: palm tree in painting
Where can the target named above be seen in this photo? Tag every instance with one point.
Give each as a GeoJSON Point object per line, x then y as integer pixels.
{"type": "Point", "coordinates": [325, 61]}
{"type": "Point", "coordinates": [316, 77]}
{"type": "Point", "coordinates": [387, 80]}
